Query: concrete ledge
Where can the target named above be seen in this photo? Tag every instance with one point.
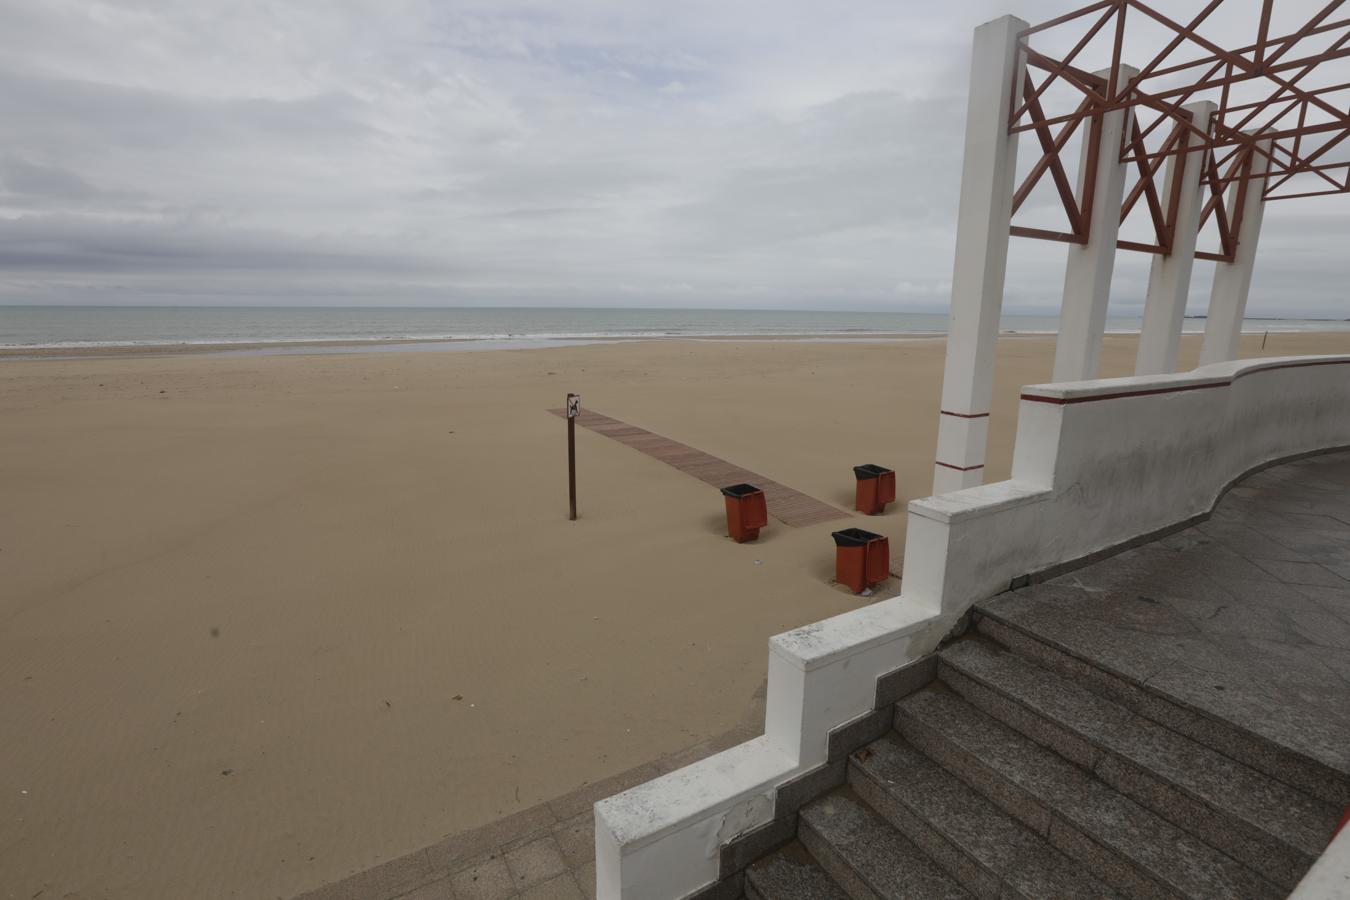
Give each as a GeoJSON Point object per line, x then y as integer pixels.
{"type": "Point", "coordinates": [1213, 375]}
{"type": "Point", "coordinates": [820, 643]}
{"type": "Point", "coordinates": [973, 503]}
{"type": "Point", "coordinates": [724, 782]}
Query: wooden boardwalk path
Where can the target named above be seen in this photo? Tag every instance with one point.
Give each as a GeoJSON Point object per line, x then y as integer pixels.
{"type": "Point", "coordinates": [786, 505]}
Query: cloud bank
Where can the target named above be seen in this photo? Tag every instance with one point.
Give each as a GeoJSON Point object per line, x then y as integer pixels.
{"type": "Point", "coordinates": [520, 152]}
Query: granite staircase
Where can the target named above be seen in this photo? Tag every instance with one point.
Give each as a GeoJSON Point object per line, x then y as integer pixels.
{"type": "Point", "coordinates": [1021, 772]}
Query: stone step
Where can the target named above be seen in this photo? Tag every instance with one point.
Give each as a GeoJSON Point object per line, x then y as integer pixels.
{"type": "Point", "coordinates": [1112, 837]}
{"type": "Point", "coordinates": [998, 619]}
{"type": "Point", "coordinates": [1267, 825]}
{"type": "Point", "coordinates": [866, 855]}
{"type": "Point", "coordinates": [790, 873]}
{"type": "Point", "coordinates": [990, 853]}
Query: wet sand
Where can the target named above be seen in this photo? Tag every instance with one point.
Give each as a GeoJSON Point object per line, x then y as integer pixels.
{"type": "Point", "coordinates": [271, 620]}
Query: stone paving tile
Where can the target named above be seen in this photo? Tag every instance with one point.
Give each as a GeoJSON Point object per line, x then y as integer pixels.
{"type": "Point", "coordinates": [1262, 593]}
{"type": "Point", "coordinates": [1341, 569]}
{"type": "Point", "coordinates": [583, 799]}
{"type": "Point", "coordinates": [1288, 665]}
{"type": "Point", "coordinates": [389, 879]}
{"type": "Point", "coordinates": [1333, 600]}
{"type": "Point", "coordinates": [488, 880]}
{"type": "Point", "coordinates": [1320, 523]}
{"type": "Point", "coordinates": [458, 851]}
{"type": "Point", "coordinates": [1313, 542]}
{"type": "Point", "coordinates": [1254, 545]}
{"type": "Point", "coordinates": [576, 839]}
{"type": "Point", "coordinates": [1301, 573]}
{"type": "Point", "coordinates": [1095, 640]}
{"type": "Point", "coordinates": [1322, 628]}
{"type": "Point", "coordinates": [585, 877]}
{"type": "Point", "coordinates": [1249, 622]}
{"type": "Point", "coordinates": [535, 862]}
{"type": "Point", "coordinates": [563, 887]}
{"type": "Point", "coordinates": [1334, 659]}
{"type": "Point", "coordinates": [1199, 608]}
{"type": "Point", "coordinates": [437, 890]}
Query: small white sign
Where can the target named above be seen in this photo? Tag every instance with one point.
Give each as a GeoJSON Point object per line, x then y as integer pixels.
{"type": "Point", "coordinates": [573, 405]}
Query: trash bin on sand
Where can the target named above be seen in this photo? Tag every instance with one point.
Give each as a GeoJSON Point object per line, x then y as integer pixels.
{"type": "Point", "coordinates": [861, 558]}
{"type": "Point", "coordinates": [876, 488]}
{"type": "Point", "coordinates": [747, 512]}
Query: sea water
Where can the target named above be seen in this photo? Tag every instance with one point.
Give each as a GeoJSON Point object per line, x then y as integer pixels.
{"type": "Point", "coordinates": [109, 326]}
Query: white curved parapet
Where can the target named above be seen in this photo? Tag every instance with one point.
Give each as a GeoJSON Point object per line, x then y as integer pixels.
{"type": "Point", "coordinates": [1096, 464]}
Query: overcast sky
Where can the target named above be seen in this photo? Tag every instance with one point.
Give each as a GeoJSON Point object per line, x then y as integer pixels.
{"type": "Point", "coordinates": [520, 152]}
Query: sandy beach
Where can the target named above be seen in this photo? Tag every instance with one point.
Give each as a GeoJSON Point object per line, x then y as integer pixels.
{"type": "Point", "coordinates": [270, 620]}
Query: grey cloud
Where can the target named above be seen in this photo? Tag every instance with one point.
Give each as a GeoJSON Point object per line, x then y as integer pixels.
{"type": "Point", "coordinates": [62, 243]}
{"type": "Point", "coordinates": [518, 151]}
{"type": "Point", "coordinates": [30, 179]}
{"type": "Point", "coordinates": [836, 169]}
{"type": "Point", "coordinates": [51, 108]}
{"type": "Point", "coordinates": [32, 187]}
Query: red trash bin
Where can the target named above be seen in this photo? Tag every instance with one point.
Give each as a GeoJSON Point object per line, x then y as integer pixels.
{"type": "Point", "coordinates": [861, 558]}
{"type": "Point", "coordinates": [747, 512]}
{"type": "Point", "coordinates": [876, 488]}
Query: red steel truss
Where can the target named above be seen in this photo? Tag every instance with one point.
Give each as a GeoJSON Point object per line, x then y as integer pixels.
{"type": "Point", "coordinates": [1285, 89]}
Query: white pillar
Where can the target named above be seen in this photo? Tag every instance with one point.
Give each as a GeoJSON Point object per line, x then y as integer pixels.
{"type": "Point", "coordinates": [1169, 281]}
{"type": "Point", "coordinates": [1087, 276]}
{"type": "Point", "coordinates": [983, 219]}
{"type": "Point", "coordinates": [1233, 280]}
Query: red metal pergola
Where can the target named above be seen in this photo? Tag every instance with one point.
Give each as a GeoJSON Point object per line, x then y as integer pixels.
{"type": "Point", "coordinates": [1278, 89]}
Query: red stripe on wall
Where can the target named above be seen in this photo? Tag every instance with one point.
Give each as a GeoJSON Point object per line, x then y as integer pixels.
{"type": "Point", "coordinates": [1062, 401]}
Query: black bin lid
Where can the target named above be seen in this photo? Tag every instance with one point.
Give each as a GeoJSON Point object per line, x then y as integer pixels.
{"type": "Point", "coordinates": [854, 537]}
{"type": "Point", "coordinates": [869, 470]}
{"type": "Point", "coordinates": [741, 490]}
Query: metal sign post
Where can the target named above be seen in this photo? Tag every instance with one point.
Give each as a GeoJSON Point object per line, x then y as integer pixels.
{"type": "Point", "coordinates": [573, 410]}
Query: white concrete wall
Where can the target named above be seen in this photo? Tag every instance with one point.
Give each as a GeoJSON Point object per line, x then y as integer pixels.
{"type": "Point", "coordinates": [1096, 463]}
{"type": "Point", "coordinates": [1099, 462]}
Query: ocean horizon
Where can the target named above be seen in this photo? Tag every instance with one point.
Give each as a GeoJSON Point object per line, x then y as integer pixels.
{"type": "Point", "coordinates": [74, 327]}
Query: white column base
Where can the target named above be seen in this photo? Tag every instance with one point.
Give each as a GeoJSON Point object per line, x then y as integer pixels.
{"type": "Point", "coordinates": [946, 480]}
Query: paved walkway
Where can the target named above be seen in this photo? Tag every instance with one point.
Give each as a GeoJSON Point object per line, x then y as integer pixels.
{"type": "Point", "coordinates": [1244, 618]}
{"type": "Point", "coordinates": [788, 506]}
